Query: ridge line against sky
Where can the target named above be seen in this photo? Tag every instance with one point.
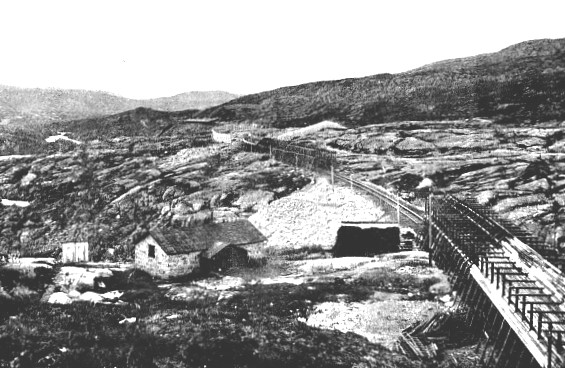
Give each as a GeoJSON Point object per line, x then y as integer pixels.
{"type": "Point", "coordinates": [150, 49]}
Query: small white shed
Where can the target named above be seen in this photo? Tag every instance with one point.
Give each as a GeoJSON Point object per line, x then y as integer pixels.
{"type": "Point", "coordinates": [75, 252]}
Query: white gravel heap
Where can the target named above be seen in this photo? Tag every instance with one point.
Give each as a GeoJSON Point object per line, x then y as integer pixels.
{"type": "Point", "coordinates": [313, 215]}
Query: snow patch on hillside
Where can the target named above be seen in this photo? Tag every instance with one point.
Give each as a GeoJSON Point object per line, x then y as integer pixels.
{"type": "Point", "coordinates": [61, 136]}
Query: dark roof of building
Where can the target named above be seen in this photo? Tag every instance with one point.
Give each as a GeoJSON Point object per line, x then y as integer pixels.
{"type": "Point", "coordinates": [202, 237]}
{"type": "Point", "coordinates": [214, 249]}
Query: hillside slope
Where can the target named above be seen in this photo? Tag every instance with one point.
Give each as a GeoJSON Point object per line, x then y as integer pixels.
{"type": "Point", "coordinates": [524, 83]}
{"type": "Point", "coordinates": [35, 105]}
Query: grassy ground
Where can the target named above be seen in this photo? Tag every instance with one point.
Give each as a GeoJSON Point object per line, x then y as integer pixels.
{"type": "Point", "coordinates": [262, 322]}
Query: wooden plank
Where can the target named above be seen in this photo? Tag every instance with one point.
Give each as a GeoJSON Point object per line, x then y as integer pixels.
{"type": "Point", "coordinates": [521, 329]}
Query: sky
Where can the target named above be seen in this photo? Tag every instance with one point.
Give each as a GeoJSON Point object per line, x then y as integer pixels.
{"type": "Point", "coordinates": [147, 49]}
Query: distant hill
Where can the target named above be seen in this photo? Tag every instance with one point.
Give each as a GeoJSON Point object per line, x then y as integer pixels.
{"type": "Point", "coordinates": [522, 83]}
{"type": "Point", "coordinates": [35, 105]}
{"type": "Point", "coordinates": [137, 122]}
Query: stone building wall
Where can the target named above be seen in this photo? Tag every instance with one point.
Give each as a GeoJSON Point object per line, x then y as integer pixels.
{"type": "Point", "coordinates": [182, 264]}
{"type": "Point", "coordinates": [163, 265]}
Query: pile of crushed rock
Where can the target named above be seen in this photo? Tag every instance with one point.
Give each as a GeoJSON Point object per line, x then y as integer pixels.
{"type": "Point", "coordinates": [312, 216]}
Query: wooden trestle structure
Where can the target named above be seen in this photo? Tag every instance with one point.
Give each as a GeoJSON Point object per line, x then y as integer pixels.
{"type": "Point", "coordinates": [508, 289]}
{"type": "Point", "coordinates": [509, 283]}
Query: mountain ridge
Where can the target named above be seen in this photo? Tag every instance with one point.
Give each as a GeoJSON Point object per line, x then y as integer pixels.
{"type": "Point", "coordinates": [20, 105]}
{"type": "Point", "coordinates": [524, 83]}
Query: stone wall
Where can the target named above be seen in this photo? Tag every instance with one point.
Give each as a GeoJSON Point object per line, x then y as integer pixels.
{"type": "Point", "coordinates": [182, 264]}
{"type": "Point", "coordinates": [163, 265]}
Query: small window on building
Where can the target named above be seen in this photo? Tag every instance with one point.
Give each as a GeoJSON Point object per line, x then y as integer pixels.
{"type": "Point", "coordinates": [151, 251]}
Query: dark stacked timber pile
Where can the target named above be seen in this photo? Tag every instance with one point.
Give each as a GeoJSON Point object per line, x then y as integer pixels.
{"type": "Point", "coordinates": [423, 340]}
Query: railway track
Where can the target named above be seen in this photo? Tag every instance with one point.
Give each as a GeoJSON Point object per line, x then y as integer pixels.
{"type": "Point", "coordinates": [413, 216]}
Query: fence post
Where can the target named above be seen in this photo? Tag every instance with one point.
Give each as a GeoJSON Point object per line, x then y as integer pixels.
{"type": "Point", "coordinates": [398, 208]}
{"type": "Point", "coordinates": [332, 168]}
{"type": "Point", "coordinates": [270, 151]}
{"type": "Point", "coordinates": [430, 228]}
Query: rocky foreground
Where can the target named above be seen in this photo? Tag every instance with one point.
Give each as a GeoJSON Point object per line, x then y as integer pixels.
{"type": "Point", "coordinates": [312, 313]}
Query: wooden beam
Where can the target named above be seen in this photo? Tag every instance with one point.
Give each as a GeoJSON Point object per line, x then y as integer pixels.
{"type": "Point", "coordinates": [521, 329]}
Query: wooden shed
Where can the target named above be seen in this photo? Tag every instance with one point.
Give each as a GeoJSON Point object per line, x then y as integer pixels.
{"type": "Point", "coordinates": [74, 252]}
{"type": "Point", "coordinates": [223, 256]}
{"type": "Point", "coordinates": [366, 240]}
{"type": "Point", "coordinates": [179, 251]}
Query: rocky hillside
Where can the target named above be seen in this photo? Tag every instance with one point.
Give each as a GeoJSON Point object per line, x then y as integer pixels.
{"type": "Point", "coordinates": [110, 193]}
{"type": "Point", "coordinates": [524, 82]}
{"type": "Point", "coordinates": [35, 105]}
{"type": "Point", "coordinates": [140, 122]}
{"type": "Point", "coordinates": [519, 171]}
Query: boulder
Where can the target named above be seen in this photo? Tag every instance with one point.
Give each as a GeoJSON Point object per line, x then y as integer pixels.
{"type": "Point", "coordinates": [172, 193]}
{"type": "Point", "coordinates": [560, 199]}
{"type": "Point", "coordinates": [112, 295]}
{"type": "Point", "coordinates": [215, 200]}
{"type": "Point", "coordinates": [91, 296]}
{"type": "Point", "coordinates": [198, 205]}
{"type": "Point", "coordinates": [27, 179]}
{"type": "Point", "coordinates": [153, 173]}
{"type": "Point", "coordinates": [485, 197]}
{"type": "Point", "coordinates": [59, 298]}
{"type": "Point", "coordinates": [78, 278]}
{"type": "Point", "coordinates": [182, 208]}
{"type": "Point", "coordinates": [165, 210]}
{"type": "Point", "coordinates": [251, 199]}
{"type": "Point", "coordinates": [4, 294]}
{"type": "Point", "coordinates": [74, 294]}
{"type": "Point", "coordinates": [440, 288]}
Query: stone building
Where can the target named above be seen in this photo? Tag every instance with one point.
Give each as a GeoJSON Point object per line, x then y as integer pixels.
{"type": "Point", "coordinates": [179, 251]}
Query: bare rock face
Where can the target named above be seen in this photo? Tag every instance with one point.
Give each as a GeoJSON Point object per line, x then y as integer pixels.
{"type": "Point", "coordinates": [531, 143]}
{"type": "Point", "coordinates": [557, 147]}
{"type": "Point", "coordinates": [252, 199]}
{"type": "Point", "coordinates": [535, 186]}
{"type": "Point", "coordinates": [414, 146]}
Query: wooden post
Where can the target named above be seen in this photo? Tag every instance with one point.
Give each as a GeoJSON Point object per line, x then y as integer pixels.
{"type": "Point", "coordinates": [296, 159]}
{"type": "Point", "coordinates": [398, 208]}
{"type": "Point", "coordinates": [430, 229]}
{"type": "Point", "coordinates": [270, 151]}
{"type": "Point", "coordinates": [332, 169]}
